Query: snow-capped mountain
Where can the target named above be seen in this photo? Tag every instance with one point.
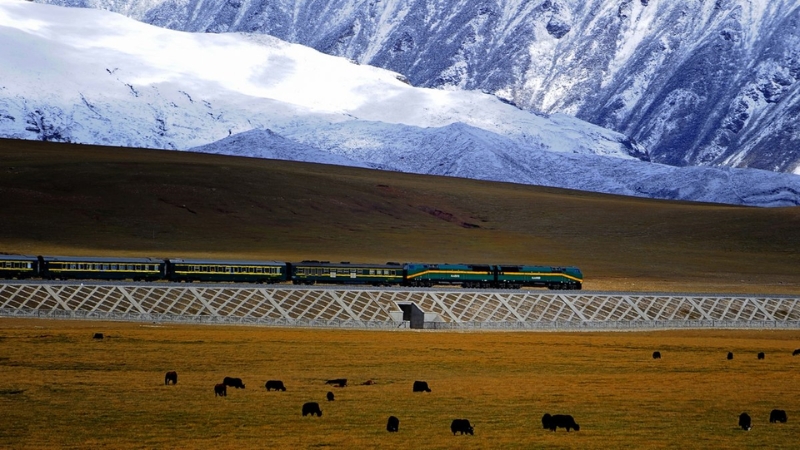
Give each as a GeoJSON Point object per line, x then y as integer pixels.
{"type": "Point", "coordinates": [696, 82]}
{"type": "Point", "coordinates": [91, 76]}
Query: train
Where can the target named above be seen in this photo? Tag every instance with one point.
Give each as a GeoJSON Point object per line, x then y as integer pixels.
{"type": "Point", "coordinates": [308, 272]}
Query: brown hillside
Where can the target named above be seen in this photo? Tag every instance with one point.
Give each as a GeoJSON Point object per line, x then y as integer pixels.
{"type": "Point", "coordinates": [89, 200]}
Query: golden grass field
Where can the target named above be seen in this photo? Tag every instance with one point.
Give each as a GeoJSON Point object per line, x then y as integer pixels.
{"type": "Point", "coordinates": [65, 199]}
{"type": "Point", "coordinates": [59, 388]}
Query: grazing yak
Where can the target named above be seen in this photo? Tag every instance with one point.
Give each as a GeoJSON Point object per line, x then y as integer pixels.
{"type": "Point", "coordinates": [330, 396]}
{"type": "Point", "coordinates": [796, 352]}
{"type": "Point", "coordinates": [98, 336]}
{"type": "Point", "coordinates": [421, 386]}
{"type": "Point", "coordinates": [220, 390]}
{"type": "Point", "coordinates": [393, 424]}
{"type": "Point", "coordinates": [656, 355]}
{"type": "Point", "coordinates": [171, 376]}
{"type": "Point", "coordinates": [730, 355]}
{"type": "Point", "coordinates": [311, 408]}
{"type": "Point", "coordinates": [276, 385]}
{"type": "Point", "coordinates": [760, 355]}
{"type": "Point", "coordinates": [338, 382]}
{"type": "Point", "coordinates": [461, 426]}
{"type": "Point", "coordinates": [559, 421]}
{"type": "Point", "coordinates": [745, 422]}
{"type": "Point", "coordinates": [777, 415]}
{"type": "Point", "coordinates": [233, 382]}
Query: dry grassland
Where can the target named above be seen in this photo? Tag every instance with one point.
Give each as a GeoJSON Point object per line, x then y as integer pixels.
{"type": "Point", "coordinates": [61, 388]}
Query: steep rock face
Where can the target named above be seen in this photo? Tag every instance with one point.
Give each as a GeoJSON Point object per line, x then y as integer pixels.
{"type": "Point", "coordinates": [697, 82]}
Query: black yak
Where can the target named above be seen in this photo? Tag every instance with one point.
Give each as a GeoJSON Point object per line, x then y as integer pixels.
{"type": "Point", "coordinates": [461, 426]}
{"type": "Point", "coordinates": [311, 408]}
{"type": "Point", "coordinates": [777, 415]}
{"type": "Point", "coordinates": [393, 424]}
{"type": "Point", "coordinates": [559, 421]}
{"type": "Point", "coordinates": [338, 382]}
{"type": "Point", "coordinates": [276, 385]}
{"type": "Point", "coordinates": [220, 390]}
{"type": "Point", "coordinates": [421, 386]}
{"type": "Point", "coordinates": [745, 422]}
{"type": "Point", "coordinates": [171, 376]}
{"type": "Point", "coordinates": [233, 382]}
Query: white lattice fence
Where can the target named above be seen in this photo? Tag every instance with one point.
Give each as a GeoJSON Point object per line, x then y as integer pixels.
{"type": "Point", "coordinates": [370, 307]}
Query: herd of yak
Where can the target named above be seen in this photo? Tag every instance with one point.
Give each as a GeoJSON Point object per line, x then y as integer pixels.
{"type": "Point", "coordinates": [461, 426]}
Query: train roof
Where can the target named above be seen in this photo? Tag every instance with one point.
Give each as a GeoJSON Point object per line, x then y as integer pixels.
{"type": "Point", "coordinates": [18, 257]}
{"type": "Point", "coordinates": [345, 264]}
{"type": "Point", "coordinates": [95, 259]}
{"type": "Point", "coordinates": [223, 262]}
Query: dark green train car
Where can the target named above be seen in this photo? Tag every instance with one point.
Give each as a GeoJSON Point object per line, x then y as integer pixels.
{"type": "Point", "coordinates": [188, 270]}
{"type": "Point", "coordinates": [77, 267]}
{"type": "Point", "coordinates": [19, 266]}
{"type": "Point", "coordinates": [466, 275]}
{"type": "Point", "coordinates": [324, 272]}
{"type": "Point", "coordinates": [514, 277]}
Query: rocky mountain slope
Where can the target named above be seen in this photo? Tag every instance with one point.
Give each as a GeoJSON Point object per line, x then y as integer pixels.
{"type": "Point", "coordinates": [711, 82]}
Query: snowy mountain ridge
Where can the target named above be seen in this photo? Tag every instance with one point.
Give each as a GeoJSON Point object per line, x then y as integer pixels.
{"type": "Point", "coordinates": [711, 82]}
{"type": "Point", "coordinates": [113, 81]}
